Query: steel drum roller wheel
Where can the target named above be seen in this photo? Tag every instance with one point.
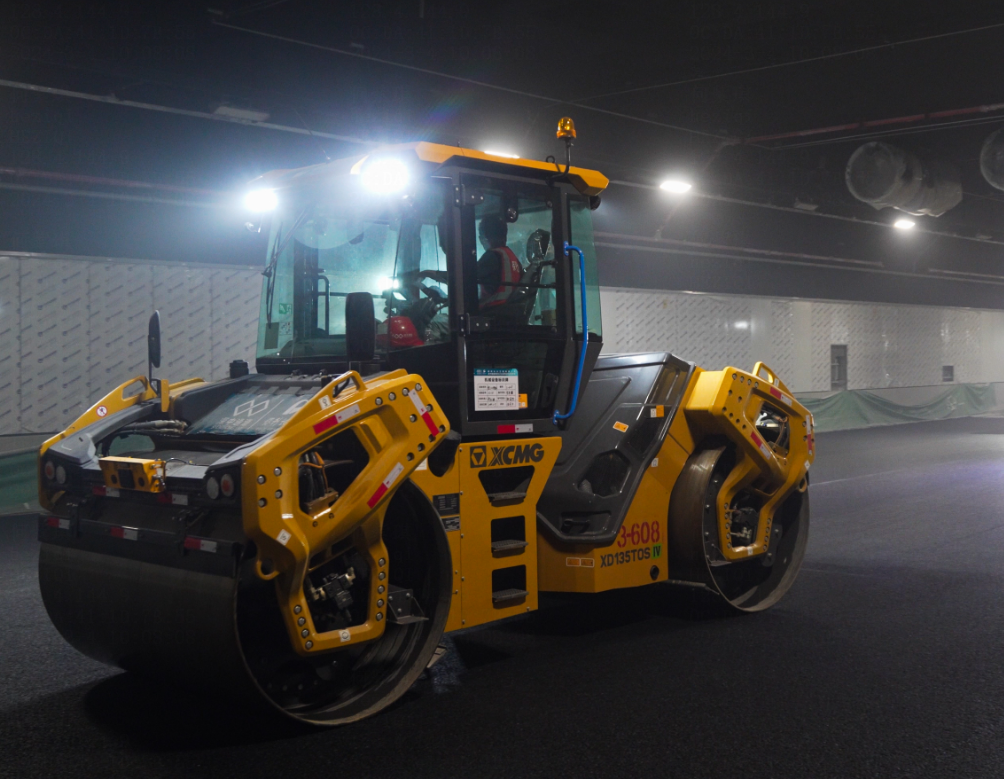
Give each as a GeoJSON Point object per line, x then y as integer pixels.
{"type": "Point", "coordinates": [749, 584]}
{"type": "Point", "coordinates": [226, 634]}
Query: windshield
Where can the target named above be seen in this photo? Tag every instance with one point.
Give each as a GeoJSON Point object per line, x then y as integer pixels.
{"type": "Point", "coordinates": [321, 250]}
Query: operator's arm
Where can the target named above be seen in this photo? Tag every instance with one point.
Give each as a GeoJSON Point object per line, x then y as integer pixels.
{"type": "Point", "coordinates": [439, 276]}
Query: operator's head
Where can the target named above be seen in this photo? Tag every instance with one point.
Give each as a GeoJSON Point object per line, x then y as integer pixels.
{"type": "Point", "coordinates": [492, 232]}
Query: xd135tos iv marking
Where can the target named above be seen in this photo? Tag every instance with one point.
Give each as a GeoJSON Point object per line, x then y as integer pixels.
{"type": "Point", "coordinates": [431, 438]}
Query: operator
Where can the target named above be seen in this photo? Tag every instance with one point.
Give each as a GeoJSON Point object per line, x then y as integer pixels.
{"type": "Point", "coordinates": [499, 267]}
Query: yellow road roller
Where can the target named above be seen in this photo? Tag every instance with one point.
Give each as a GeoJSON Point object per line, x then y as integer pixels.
{"type": "Point", "coordinates": [431, 439]}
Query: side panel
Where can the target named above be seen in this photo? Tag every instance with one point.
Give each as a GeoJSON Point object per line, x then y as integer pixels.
{"type": "Point", "coordinates": [444, 493]}
{"type": "Point", "coordinates": [637, 556]}
{"type": "Point", "coordinates": [500, 484]}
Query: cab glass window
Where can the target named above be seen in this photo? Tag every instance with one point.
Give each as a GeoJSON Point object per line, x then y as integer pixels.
{"type": "Point", "coordinates": [512, 281]}
{"type": "Point", "coordinates": [582, 237]}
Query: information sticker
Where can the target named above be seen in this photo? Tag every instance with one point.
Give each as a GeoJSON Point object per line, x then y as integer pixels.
{"type": "Point", "coordinates": [496, 389]}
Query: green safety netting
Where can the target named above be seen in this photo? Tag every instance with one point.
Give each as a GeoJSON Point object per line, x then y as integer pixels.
{"type": "Point", "coordinates": [18, 482]}
{"type": "Point", "coordinates": [860, 408]}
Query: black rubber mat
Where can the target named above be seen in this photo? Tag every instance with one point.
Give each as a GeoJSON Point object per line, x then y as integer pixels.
{"type": "Point", "coordinates": [883, 661]}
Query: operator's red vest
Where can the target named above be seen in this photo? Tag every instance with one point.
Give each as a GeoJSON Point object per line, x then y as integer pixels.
{"type": "Point", "coordinates": [512, 272]}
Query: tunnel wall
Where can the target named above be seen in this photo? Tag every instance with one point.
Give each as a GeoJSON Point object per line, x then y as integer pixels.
{"type": "Point", "coordinates": [71, 328]}
{"type": "Point", "coordinates": [888, 345]}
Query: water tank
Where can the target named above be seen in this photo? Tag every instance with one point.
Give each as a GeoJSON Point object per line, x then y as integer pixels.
{"type": "Point", "coordinates": [992, 159]}
{"type": "Point", "coordinates": [884, 176]}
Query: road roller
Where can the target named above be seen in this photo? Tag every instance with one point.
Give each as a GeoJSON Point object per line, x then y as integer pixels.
{"type": "Point", "coordinates": [430, 439]}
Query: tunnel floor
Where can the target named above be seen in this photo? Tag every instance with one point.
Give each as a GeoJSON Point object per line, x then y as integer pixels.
{"type": "Point", "coordinates": [886, 659]}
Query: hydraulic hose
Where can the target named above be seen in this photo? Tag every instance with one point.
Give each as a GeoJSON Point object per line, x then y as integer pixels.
{"type": "Point", "coordinates": [585, 334]}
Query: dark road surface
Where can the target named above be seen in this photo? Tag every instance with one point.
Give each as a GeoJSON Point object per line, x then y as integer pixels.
{"type": "Point", "coordinates": [885, 660]}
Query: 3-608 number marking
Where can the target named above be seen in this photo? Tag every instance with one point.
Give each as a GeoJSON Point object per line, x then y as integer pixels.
{"type": "Point", "coordinates": [640, 533]}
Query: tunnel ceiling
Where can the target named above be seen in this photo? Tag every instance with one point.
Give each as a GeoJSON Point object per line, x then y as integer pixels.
{"type": "Point", "coordinates": [702, 90]}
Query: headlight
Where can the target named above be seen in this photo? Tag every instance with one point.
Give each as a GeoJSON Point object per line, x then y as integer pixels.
{"type": "Point", "coordinates": [260, 200]}
{"type": "Point", "coordinates": [385, 176]}
{"type": "Point", "coordinates": [227, 485]}
{"type": "Point", "coordinates": [61, 475]}
{"type": "Point", "coordinates": [212, 488]}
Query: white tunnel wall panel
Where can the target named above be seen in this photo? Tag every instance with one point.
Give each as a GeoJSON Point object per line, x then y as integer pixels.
{"type": "Point", "coordinates": [10, 353]}
{"type": "Point", "coordinates": [121, 297]}
{"type": "Point", "coordinates": [73, 329]}
{"type": "Point", "coordinates": [235, 296]}
{"type": "Point", "coordinates": [887, 345]}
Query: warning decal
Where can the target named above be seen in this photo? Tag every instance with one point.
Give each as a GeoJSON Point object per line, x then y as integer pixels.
{"type": "Point", "coordinates": [496, 389]}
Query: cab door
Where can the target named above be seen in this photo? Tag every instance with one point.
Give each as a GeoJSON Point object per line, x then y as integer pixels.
{"type": "Point", "coordinates": [513, 341]}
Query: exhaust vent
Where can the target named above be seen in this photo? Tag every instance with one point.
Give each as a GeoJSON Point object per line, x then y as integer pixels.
{"type": "Point", "coordinates": [884, 176]}
{"type": "Point", "coordinates": [992, 159]}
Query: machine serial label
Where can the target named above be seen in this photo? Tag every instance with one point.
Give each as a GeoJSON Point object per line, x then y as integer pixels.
{"type": "Point", "coordinates": [447, 505]}
{"type": "Point", "coordinates": [496, 389]}
{"type": "Point", "coordinates": [631, 556]}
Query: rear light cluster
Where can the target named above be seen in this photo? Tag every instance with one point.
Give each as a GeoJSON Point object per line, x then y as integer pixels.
{"type": "Point", "coordinates": [225, 485]}
{"type": "Point", "coordinates": [54, 472]}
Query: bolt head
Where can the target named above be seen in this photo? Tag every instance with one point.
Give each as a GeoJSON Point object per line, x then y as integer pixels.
{"type": "Point", "coordinates": [379, 617]}
{"type": "Point", "coordinates": [261, 479]}
{"type": "Point", "coordinates": [277, 471]}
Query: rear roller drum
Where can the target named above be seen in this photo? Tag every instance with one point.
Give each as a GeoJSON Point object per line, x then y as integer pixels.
{"type": "Point", "coordinates": [751, 584]}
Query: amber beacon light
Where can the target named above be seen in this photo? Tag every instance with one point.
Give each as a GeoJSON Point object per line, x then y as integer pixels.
{"type": "Point", "coordinates": [566, 129]}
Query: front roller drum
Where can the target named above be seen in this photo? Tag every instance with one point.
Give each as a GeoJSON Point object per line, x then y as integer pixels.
{"type": "Point", "coordinates": [226, 634]}
{"type": "Point", "coordinates": [751, 584]}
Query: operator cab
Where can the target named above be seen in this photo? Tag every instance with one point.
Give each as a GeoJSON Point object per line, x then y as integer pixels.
{"type": "Point", "coordinates": [495, 329]}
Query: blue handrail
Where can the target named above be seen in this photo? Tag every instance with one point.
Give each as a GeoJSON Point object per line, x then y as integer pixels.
{"type": "Point", "coordinates": [585, 333]}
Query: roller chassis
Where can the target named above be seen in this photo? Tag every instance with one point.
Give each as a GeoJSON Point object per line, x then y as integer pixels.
{"type": "Point", "coordinates": [304, 535]}
{"type": "Point", "coordinates": [264, 539]}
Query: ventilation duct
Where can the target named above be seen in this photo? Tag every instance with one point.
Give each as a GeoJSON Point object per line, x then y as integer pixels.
{"type": "Point", "coordinates": [884, 176]}
{"type": "Point", "coordinates": [992, 159]}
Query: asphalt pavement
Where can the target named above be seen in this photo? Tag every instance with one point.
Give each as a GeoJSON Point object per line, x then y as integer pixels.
{"type": "Point", "coordinates": [886, 659]}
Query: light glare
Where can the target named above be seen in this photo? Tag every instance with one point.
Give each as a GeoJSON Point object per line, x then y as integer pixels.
{"type": "Point", "coordinates": [260, 200]}
{"type": "Point", "coordinates": [677, 186]}
{"type": "Point", "coordinates": [904, 224]}
{"type": "Point", "coordinates": [385, 176]}
{"type": "Point", "coordinates": [384, 283]}
{"type": "Point", "coordinates": [502, 154]}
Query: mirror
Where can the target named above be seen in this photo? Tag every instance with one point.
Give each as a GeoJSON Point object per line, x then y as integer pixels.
{"type": "Point", "coordinates": [360, 327]}
{"type": "Point", "coordinates": [153, 340]}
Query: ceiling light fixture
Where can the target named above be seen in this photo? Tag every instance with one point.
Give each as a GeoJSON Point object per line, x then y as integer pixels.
{"type": "Point", "coordinates": [904, 224]}
{"type": "Point", "coordinates": [676, 186]}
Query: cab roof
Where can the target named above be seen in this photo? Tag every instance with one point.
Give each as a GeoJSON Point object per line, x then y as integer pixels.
{"type": "Point", "coordinates": [588, 182]}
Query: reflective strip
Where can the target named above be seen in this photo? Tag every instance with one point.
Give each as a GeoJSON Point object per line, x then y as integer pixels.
{"type": "Point", "coordinates": [200, 544]}
{"type": "Point", "coordinates": [385, 485]}
{"type": "Point", "coordinates": [56, 522]}
{"type": "Point", "coordinates": [524, 428]}
{"type": "Point", "coordinates": [764, 449]}
{"type": "Point", "coordinates": [780, 396]}
{"type": "Point", "coordinates": [128, 533]}
{"type": "Point", "coordinates": [337, 419]}
{"type": "Point", "coordinates": [424, 413]}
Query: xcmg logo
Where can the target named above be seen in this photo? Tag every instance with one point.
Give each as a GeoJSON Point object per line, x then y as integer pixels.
{"type": "Point", "coordinates": [517, 454]}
